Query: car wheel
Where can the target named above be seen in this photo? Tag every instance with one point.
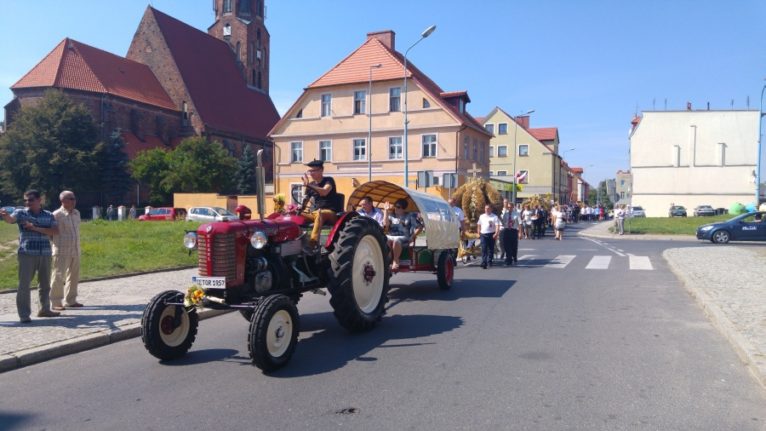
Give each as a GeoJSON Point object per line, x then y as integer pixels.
{"type": "Point", "coordinates": [720, 237]}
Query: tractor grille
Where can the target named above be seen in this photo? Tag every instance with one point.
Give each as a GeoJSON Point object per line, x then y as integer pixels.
{"type": "Point", "coordinates": [220, 251]}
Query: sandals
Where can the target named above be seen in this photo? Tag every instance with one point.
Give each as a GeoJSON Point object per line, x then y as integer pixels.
{"type": "Point", "coordinates": [394, 267]}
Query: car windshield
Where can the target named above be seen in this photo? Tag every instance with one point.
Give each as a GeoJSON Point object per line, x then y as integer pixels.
{"type": "Point", "coordinates": [637, 209]}
{"type": "Point", "coordinates": [223, 212]}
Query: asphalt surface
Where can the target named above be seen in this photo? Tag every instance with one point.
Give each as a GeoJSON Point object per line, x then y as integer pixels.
{"type": "Point", "coordinates": [590, 334]}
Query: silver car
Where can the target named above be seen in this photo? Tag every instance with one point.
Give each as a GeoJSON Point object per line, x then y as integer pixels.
{"type": "Point", "coordinates": [636, 211]}
{"type": "Point", "coordinates": [209, 214]}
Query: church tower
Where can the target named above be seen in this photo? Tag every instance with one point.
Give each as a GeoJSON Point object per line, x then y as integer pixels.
{"type": "Point", "coordinates": [241, 24]}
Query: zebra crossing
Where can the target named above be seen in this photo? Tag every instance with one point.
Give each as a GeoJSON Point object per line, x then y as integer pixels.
{"type": "Point", "coordinates": [596, 263]}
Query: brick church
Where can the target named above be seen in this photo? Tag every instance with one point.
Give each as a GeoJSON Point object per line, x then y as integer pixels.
{"type": "Point", "coordinates": [175, 82]}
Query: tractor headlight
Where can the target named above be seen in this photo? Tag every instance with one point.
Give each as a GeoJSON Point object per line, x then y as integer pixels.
{"type": "Point", "coordinates": [190, 240]}
{"type": "Point", "coordinates": [259, 240]}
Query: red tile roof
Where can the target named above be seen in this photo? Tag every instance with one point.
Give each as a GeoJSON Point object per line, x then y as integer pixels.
{"type": "Point", "coordinates": [355, 68]}
{"type": "Point", "coordinates": [216, 86]}
{"type": "Point", "coordinates": [77, 66]}
{"type": "Point", "coordinates": [545, 133]}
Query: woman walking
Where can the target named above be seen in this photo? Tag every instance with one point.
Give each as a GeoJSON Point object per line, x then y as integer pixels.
{"type": "Point", "coordinates": [558, 222]}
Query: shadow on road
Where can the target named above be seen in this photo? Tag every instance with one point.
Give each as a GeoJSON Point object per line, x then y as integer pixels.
{"type": "Point", "coordinates": [428, 290]}
{"type": "Point", "coordinates": [13, 421]}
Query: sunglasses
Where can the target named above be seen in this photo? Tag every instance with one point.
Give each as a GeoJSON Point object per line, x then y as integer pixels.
{"type": "Point", "coordinates": [69, 199]}
{"type": "Point", "coordinates": [30, 199]}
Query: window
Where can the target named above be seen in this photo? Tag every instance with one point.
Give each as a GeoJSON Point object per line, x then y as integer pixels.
{"type": "Point", "coordinates": [622, 195]}
{"type": "Point", "coordinates": [359, 102]}
{"type": "Point", "coordinates": [466, 151]}
{"type": "Point", "coordinates": [325, 150]}
{"type": "Point", "coordinates": [326, 105]}
{"type": "Point", "coordinates": [426, 104]}
{"type": "Point", "coordinates": [226, 6]}
{"type": "Point", "coordinates": [360, 149]}
{"type": "Point", "coordinates": [523, 177]}
{"type": "Point", "coordinates": [523, 150]}
{"type": "Point", "coordinates": [429, 145]}
{"type": "Point", "coordinates": [482, 146]}
{"type": "Point", "coordinates": [491, 173]}
{"type": "Point", "coordinates": [475, 150]}
{"type": "Point", "coordinates": [395, 148]}
{"type": "Point", "coordinates": [461, 106]}
{"type": "Point", "coordinates": [502, 129]}
{"type": "Point", "coordinates": [296, 152]}
{"type": "Point", "coordinates": [491, 151]}
{"type": "Point", "coordinates": [250, 51]}
{"type": "Point", "coordinates": [394, 99]}
{"type": "Point", "coordinates": [490, 128]}
{"type": "Point", "coordinates": [502, 173]}
{"type": "Point", "coordinates": [502, 151]}
{"type": "Point", "coordinates": [299, 114]}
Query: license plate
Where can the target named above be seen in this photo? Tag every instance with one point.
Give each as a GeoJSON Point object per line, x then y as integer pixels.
{"type": "Point", "coordinates": [210, 282]}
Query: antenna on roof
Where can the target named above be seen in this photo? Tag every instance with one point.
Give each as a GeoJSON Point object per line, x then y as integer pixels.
{"type": "Point", "coordinates": [666, 103]}
{"type": "Point", "coordinates": [654, 101]}
{"type": "Point", "coordinates": [748, 102]}
{"type": "Point", "coordinates": [732, 104]}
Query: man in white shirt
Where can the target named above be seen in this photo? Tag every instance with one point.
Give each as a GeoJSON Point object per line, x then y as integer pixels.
{"type": "Point", "coordinates": [619, 217]}
{"type": "Point", "coordinates": [488, 227]}
{"type": "Point", "coordinates": [367, 210]}
{"type": "Point", "coordinates": [510, 232]}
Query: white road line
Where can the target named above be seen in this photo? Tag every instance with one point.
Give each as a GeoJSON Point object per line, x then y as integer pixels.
{"type": "Point", "coordinates": [599, 262]}
{"type": "Point", "coordinates": [527, 257]}
{"type": "Point", "coordinates": [560, 262]}
{"type": "Point", "coordinates": [612, 249]}
{"type": "Point", "coordinates": [640, 263]}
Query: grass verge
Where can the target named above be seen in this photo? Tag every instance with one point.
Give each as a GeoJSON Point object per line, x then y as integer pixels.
{"type": "Point", "coordinates": [111, 248]}
{"type": "Point", "coordinates": [668, 226]}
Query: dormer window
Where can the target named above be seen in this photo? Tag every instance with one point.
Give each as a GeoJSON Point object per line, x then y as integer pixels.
{"type": "Point", "coordinates": [226, 6]}
{"type": "Point", "coordinates": [461, 106]}
{"type": "Point", "coordinates": [426, 104]}
{"type": "Point", "coordinates": [299, 114]}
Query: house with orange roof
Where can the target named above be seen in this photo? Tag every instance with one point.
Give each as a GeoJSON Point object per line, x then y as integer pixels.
{"type": "Point", "coordinates": [531, 154]}
{"type": "Point", "coordinates": [360, 133]}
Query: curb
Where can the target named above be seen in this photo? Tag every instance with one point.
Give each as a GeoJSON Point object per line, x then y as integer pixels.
{"type": "Point", "coordinates": [57, 349]}
{"type": "Point", "coordinates": [747, 353]}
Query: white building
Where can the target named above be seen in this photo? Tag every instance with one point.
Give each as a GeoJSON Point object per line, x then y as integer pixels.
{"type": "Point", "coordinates": [692, 158]}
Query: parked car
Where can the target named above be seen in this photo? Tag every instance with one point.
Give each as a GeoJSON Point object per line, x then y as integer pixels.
{"type": "Point", "coordinates": [164, 214]}
{"type": "Point", "coordinates": [209, 214]}
{"type": "Point", "coordinates": [745, 227]}
{"type": "Point", "coordinates": [704, 210]}
{"type": "Point", "coordinates": [636, 211]}
{"type": "Point", "coordinates": [677, 211]}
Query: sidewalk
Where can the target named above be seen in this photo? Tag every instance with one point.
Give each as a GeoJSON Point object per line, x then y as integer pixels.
{"type": "Point", "coordinates": [727, 281]}
{"type": "Point", "coordinates": [112, 312]}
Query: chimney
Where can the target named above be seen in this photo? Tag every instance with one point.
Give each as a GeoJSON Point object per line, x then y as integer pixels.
{"type": "Point", "coordinates": [523, 121]}
{"type": "Point", "coordinates": [386, 37]}
{"type": "Point", "coordinates": [688, 106]}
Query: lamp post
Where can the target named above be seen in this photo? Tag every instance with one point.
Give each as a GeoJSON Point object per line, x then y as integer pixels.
{"type": "Point", "coordinates": [369, 128]}
{"type": "Point", "coordinates": [758, 162]}
{"type": "Point", "coordinates": [427, 32]}
{"type": "Point", "coordinates": [515, 152]}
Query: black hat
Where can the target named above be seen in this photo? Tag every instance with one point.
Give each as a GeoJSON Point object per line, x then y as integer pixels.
{"type": "Point", "coordinates": [316, 164]}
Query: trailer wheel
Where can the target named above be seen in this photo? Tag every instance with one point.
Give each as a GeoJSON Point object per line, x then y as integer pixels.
{"type": "Point", "coordinates": [168, 331]}
{"type": "Point", "coordinates": [445, 270]}
{"type": "Point", "coordinates": [273, 333]}
{"type": "Point", "coordinates": [360, 272]}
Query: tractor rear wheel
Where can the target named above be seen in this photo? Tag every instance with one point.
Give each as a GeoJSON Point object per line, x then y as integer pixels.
{"type": "Point", "coordinates": [360, 271]}
{"type": "Point", "coordinates": [445, 270]}
{"type": "Point", "coordinates": [168, 331]}
{"type": "Point", "coordinates": [273, 332]}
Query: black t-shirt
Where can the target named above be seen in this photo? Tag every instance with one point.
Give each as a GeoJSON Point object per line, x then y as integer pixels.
{"type": "Point", "coordinates": [327, 202]}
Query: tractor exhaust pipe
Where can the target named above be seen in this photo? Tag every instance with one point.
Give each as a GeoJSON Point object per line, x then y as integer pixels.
{"type": "Point", "coordinates": [260, 178]}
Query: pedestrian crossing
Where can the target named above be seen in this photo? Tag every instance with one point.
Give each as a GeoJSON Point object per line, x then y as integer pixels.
{"type": "Point", "coordinates": [597, 262]}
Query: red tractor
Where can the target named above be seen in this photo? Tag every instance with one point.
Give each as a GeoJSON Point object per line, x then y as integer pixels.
{"type": "Point", "coordinates": [262, 268]}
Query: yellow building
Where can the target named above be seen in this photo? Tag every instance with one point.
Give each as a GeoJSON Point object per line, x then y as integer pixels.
{"type": "Point", "coordinates": [540, 168]}
{"type": "Point", "coordinates": [337, 115]}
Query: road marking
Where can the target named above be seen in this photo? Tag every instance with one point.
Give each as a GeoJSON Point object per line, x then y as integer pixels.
{"type": "Point", "coordinates": [527, 257]}
{"type": "Point", "coordinates": [599, 262]}
{"type": "Point", "coordinates": [560, 262]}
{"type": "Point", "coordinates": [640, 263]}
{"type": "Point", "coordinates": [606, 246]}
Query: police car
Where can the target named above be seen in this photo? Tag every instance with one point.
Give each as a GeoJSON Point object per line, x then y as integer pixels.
{"type": "Point", "coordinates": [745, 227]}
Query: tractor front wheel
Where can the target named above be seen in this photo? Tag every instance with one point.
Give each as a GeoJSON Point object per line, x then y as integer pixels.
{"type": "Point", "coordinates": [273, 332]}
{"type": "Point", "coordinates": [168, 331]}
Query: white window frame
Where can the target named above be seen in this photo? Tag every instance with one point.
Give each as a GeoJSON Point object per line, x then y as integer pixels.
{"type": "Point", "coordinates": [392, 145]}
{"type": "Point", "coordinates": [329, 159]}
{"type": "Point", "coordinates": [503, 147]}
{"type": "Point", "coordinates": [301, 188]}
{"type": "Point", "coordinates": [433, 146]}
{"type": "Point", "coordinates": [492, 151]}
{"type": "Point", "coordinates": [293, 148]}
{"type": "Point", "coordinates": [527, 150]}
{"type": "Point", "coordinates": [360, 103]}
{"type": "Point", "coordinates": [499, 125]}
{"type": "Point", "coordinates": [390, 99]}
{"type": "Point", "coordinates": [354, 156]}
{"type": "Point", "coordinates": [328, 112]}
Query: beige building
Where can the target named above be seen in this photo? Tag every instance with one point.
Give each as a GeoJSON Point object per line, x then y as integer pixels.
{"type": "Point", "coordinates": [333, 117]}
{"type": "Point", "coordinates": [623, 187]}
{"type": "Point", "coordinates": [540, 168]}
{"type": "Point", "coordinates": [692, 158]}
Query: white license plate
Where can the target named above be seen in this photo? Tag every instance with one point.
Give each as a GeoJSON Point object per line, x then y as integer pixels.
{"type": "Point", "coordinates": [210, 282]}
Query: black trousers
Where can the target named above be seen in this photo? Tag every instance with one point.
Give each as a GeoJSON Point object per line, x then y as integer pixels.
{"type": "Point", "coordinates": [511, 244]}
{"type": "Point", "coordinates": [487, 248]}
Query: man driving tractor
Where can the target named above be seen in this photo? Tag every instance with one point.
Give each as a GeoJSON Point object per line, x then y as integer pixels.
{"type": "Point", "coordinates": [322, 190]}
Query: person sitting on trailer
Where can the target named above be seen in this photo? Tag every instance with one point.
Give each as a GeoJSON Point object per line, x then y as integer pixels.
{"type": "Point", "coordinates": [402, 228]}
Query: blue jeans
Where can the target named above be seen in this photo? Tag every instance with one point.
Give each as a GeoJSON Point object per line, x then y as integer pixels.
{"type": "Point", "coordinates": [487, 248]}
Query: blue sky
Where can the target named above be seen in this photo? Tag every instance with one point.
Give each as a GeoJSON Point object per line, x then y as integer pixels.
{"type": "Point", "coordinates": [584, 66]}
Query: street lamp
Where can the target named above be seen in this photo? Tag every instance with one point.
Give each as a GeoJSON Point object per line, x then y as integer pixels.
{"type": "Point", "coordinates": [758, 162]}
{"type": "Point", "coordinates": [515, 152]}
{"type": "Point", "coordinates": [369, 128]}
{"type": "Point", "coordinates": [427, 32]}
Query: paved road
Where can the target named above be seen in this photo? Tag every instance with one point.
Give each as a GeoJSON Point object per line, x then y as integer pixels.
{"type": "Point", "coordinates": [552, 344]}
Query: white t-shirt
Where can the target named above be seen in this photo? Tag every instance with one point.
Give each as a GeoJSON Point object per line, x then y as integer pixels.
{"type": "Point", "coordinates": [488, 223]}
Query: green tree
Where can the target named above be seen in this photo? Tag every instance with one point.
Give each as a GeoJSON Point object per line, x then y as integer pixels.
{"type": "Point", "coordinates": [51, 146]}
{"type": "Point", "coordinates": [197, 165]}
{"type": "Point", "coordinates": [150, 168]}
{"type": "Point", "coordinates": [114, 177]}
{"type": "Point", "coordinates": [245, 176]}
